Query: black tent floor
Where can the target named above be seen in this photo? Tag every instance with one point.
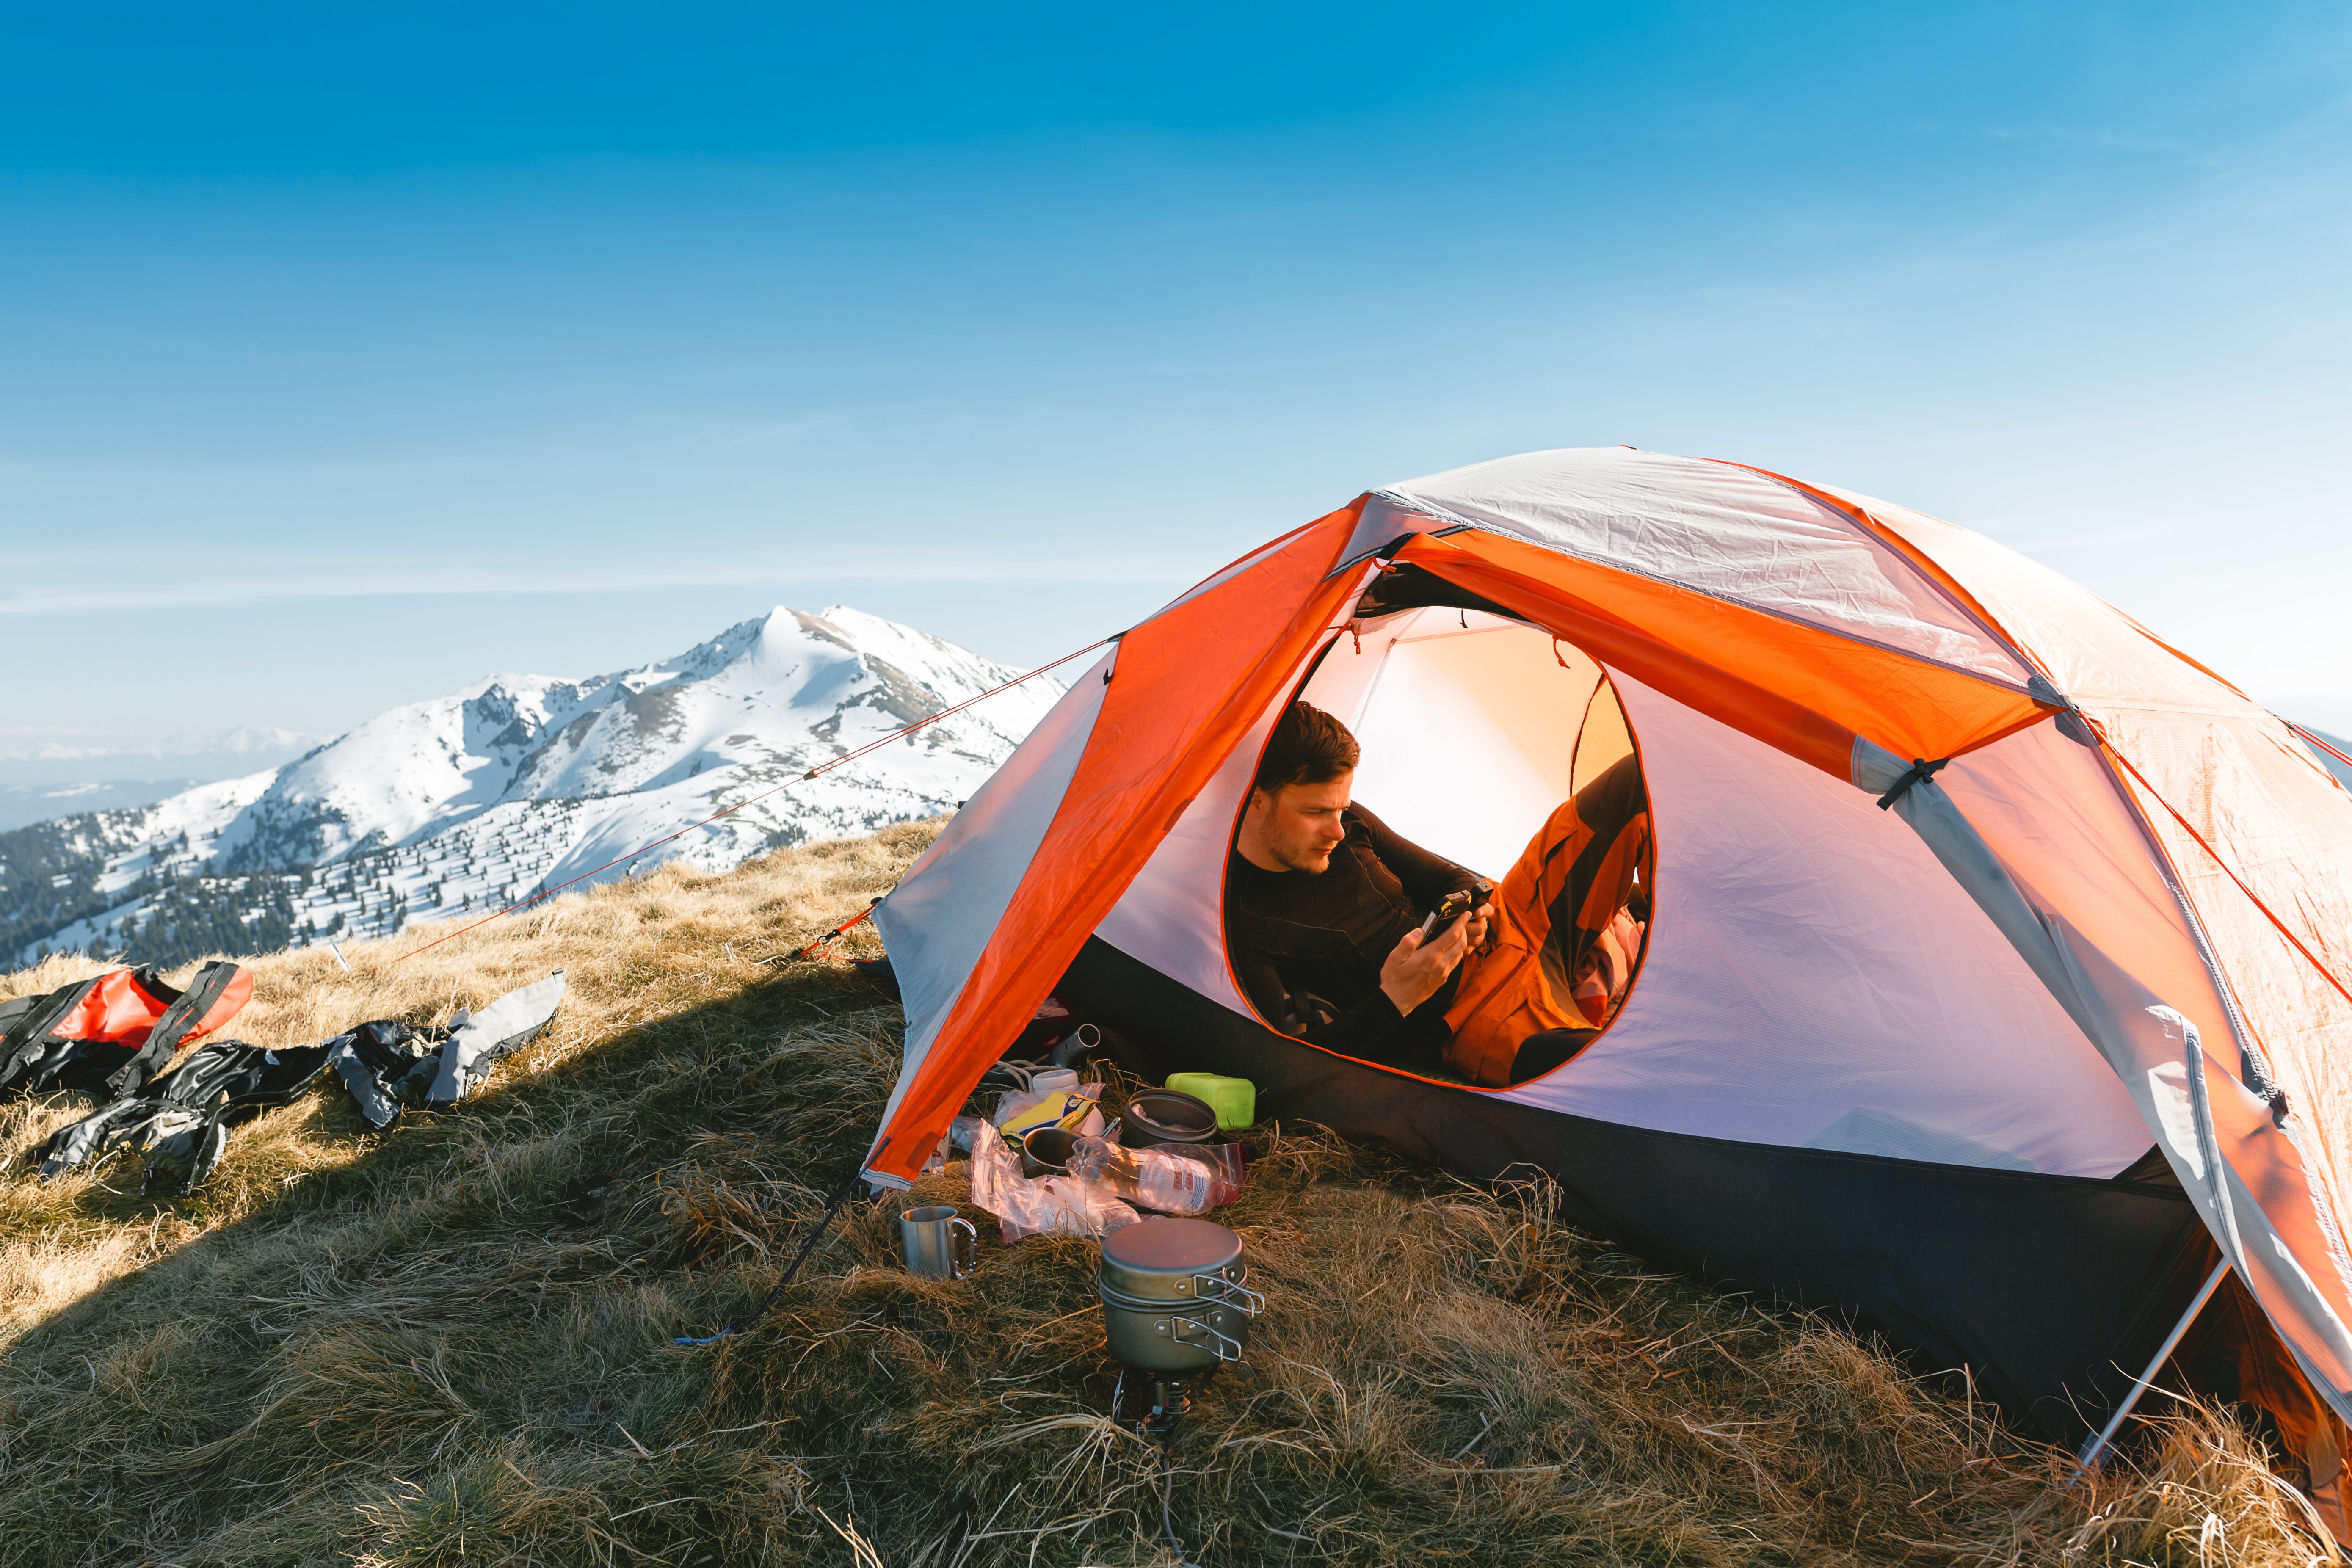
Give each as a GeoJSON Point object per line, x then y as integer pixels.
{"type": "Point", "coordinates": [2050, 1291]}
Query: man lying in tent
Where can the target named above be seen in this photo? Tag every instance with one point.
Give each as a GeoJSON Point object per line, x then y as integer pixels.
{"type": "Point", "coordinates": [1326, 909]}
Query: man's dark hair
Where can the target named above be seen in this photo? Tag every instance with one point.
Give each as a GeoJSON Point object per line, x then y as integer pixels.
{"type": "Point", "coordinates": [1308, 746]}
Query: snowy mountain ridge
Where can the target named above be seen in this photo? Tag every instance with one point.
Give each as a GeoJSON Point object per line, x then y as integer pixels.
{"type": "Point", "coordinates": [519, 782]}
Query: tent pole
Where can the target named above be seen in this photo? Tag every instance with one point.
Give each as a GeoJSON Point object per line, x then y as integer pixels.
{"type": "Point", "coordinates": [2091, 1450]}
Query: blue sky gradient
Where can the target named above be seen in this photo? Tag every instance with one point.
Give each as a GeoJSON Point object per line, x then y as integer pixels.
{"type": "Point", "coordinates": [347, 356]}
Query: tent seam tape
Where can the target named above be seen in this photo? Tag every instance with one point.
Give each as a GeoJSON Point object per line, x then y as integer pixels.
{"type": "Point", "coordinates": [1929, 570]}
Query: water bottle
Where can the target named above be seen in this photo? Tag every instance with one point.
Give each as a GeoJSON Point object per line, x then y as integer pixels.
{"type": "Point", "coordinates": [1166, 1183]}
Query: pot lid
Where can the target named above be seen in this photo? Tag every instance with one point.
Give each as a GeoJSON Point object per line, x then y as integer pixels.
{"type": "Point", "coordinates": [1159, 1257]}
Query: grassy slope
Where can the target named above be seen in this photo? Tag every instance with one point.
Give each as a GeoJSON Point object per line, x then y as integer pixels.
{"type": "Point", "coordinates": [436, 1346]}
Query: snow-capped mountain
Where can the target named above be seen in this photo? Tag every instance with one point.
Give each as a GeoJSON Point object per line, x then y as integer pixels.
{"type": "Point", "coordinates": [522, 781]}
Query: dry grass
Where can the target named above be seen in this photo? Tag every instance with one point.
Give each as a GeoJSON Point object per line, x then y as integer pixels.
{"type": "Point", "coordinates": [439, 1346]}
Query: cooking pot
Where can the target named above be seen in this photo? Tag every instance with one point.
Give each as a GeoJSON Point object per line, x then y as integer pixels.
{"type": "Point", "coordinates": [1173, 1295]}
{"type": "Point", "coordinates": [1155, 1116]}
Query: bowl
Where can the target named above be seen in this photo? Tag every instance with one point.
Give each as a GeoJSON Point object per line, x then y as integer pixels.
{"type": "Point", "coordinates": [1164, 1116]}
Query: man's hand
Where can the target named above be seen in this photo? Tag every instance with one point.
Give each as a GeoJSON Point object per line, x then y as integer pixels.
{"type": "Point", "coordinates": [1419, 967]}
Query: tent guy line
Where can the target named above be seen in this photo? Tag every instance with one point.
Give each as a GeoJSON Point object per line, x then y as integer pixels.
{"type": "Point", "coordinates": [2230, 871]}
{"type": "Point", "coordinates": [2320, 742]}
{"type": "Point", "coordinates": [820, 768]}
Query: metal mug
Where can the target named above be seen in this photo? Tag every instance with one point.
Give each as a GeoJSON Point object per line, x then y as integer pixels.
{"type": "Point", "coordinates": [1045, 1152]}
{"type": "Point", "coordinates": [928, 1234]}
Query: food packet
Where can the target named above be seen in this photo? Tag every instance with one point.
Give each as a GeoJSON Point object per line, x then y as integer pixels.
{"type": "Point", "coordinates": [1057, 1206]}
{"type": "Point", "coordinates": [1019, 1110]}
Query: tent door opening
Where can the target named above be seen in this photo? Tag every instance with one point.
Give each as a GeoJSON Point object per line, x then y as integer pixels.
{"type": "Point", "coordinates": [1475, 727]}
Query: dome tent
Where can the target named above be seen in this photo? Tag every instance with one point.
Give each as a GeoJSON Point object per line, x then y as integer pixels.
{"type": "Point", "coordinates": [1998, 1069]}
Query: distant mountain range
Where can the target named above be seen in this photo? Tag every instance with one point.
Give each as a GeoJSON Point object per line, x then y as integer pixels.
{"type": "Point", "coordinates": [24, 802]}
{"type": "Point", "coordinates": [519, 782]}
{"type": "Point", "coordinates": [46, 774]}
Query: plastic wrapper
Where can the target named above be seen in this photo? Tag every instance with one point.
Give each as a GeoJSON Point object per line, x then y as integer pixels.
{"type": "Point", "coordinates": [1056, 1206]}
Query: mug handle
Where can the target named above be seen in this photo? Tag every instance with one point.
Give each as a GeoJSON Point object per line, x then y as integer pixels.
{"type": "Point", "coordinates": [971, 1236]}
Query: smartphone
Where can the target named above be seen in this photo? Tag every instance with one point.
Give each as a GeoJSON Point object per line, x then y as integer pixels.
{"type": "Point", "coordinates": [1455, 904]}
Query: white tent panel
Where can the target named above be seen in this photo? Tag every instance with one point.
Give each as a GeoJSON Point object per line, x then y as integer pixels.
{"type": "Point", "coordinates": [2051, 811]}
{"type": "Point", "coordinates": [2093, 651]}
{"type": "Point", "coordinates": [2247, 1173]}
{"type": "Point", "coordinates": [936, 922]}
{"type": "Point", "coordinates": [1463, 706]}
{"type": "Point", "coordinates": [1712, 527]}
{"type": "Point", "coordinates": [1815, 978]}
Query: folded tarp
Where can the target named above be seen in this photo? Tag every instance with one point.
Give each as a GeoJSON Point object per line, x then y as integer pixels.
{"type": "Point", "coordinates": [388, 1066]}
{"type": "Point", "coordinates": [502, 1026]}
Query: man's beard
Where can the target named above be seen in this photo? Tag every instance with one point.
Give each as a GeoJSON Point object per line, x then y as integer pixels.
{"type": "Point", "coordinates": [1303, 860]}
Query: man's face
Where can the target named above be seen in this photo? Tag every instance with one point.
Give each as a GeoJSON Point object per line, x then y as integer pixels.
{"type": "Point", "coordinates": [1298, 824]}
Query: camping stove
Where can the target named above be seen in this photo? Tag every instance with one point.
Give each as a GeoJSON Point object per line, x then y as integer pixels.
{"type": "Point", "coordinates": [1171, 1401]}
{"type": "Point", "coordinates": [1175, 1308]}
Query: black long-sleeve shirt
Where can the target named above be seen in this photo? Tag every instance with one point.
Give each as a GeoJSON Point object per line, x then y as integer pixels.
{"type": "Point", "coordinates": [1307, 947]}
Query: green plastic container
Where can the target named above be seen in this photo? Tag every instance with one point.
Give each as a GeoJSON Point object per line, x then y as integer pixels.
{"type": "Point", "coordinates": [1236, 1099]}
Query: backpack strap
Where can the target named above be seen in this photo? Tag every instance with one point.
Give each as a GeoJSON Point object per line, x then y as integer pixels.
{"type": "Point", "coordinates": [218, 992]}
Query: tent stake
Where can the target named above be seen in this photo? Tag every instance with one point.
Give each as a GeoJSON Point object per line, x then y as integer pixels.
{"type": "Point", "coordinates": [2091, 1450]}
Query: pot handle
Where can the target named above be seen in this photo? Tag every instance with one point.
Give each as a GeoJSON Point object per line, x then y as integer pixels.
{"type": "Point", "coordinates": [1224, 1349]}
{"type": "Point", "coordinates": [970, 1250]}
{"type": "Point", "coordinates": [1226, 1293]}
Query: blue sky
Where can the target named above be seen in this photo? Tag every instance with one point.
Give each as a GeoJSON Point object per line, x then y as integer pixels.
{"type": "Point", "coordinates": [347, 355]}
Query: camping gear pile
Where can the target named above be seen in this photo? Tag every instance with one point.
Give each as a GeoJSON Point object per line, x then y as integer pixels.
{"type": "Point", "coordinates": [1175, 1299]}
{"type": "Point", "coordinates": [1997, 979]}
{"type": "Point", "coordinates": [1047, 1162]}
{"type": "Point", "coordinates": [105, 1037]}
